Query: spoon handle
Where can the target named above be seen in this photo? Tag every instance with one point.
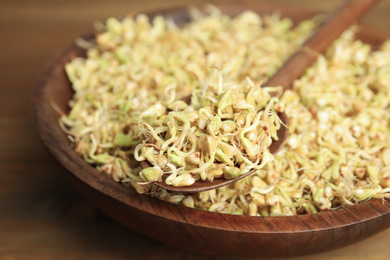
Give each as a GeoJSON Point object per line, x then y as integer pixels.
{"type": "Point", "coordinates": [346, 15]}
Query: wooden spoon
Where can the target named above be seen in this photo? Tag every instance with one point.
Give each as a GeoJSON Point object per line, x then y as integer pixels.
{"type": "Point", "coordinates": [350, 12]}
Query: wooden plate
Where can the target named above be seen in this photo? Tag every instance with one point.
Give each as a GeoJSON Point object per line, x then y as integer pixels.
{"type": "Point", "coordinates": [192, 229]}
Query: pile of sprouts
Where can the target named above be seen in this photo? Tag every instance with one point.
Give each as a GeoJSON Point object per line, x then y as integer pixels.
{"type": "Point", "coordinates": [128, 107]}
{"type": "Point", "coordinates": [224, 132]}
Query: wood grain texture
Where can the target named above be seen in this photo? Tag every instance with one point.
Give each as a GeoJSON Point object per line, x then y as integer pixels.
{"type": "Point", "coordinates": [42, 215]}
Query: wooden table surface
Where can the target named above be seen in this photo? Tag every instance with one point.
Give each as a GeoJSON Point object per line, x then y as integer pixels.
{"type": "Point", "coordinates": [41, 215]}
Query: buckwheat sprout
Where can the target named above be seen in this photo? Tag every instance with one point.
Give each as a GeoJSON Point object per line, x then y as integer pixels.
{"type": "Point", "coordinates": [247, 127]}
{"type": "Point", "coordinates": [267, 189]}
{"type": "Point", "coordinates": [94, 146]}
{"type": "Point", "coordinates": [206, 164]}
{"type": "Point", "coordinates": [285, 199]}
{"type": "Point", "coordinates": [385, 193]}
{"type": "Point", "coordinates": [225, 115]}
{"type": "Point", "coordinates": [254, 165]}
{"type": "Point", "coordinates": [138, 153]}
{"type": "Point", "coordinates": [181, 153]}
{"type": "Point", "coordinates": [169, 141]}
{"type": "Point", "coordinates": [66, 126]}
{"type": "Point", "coordinates": [241, 156]}
{"type": "Point", "coordinates": [173, 174]}
{"type": "Point", "coordinates": [153, 133]}
{"type": "Point", "coordinates": [170, 92]}
{"type": "Point", "coordinates": [186, 127]}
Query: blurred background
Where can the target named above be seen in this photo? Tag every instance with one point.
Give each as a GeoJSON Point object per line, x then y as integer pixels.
{"type": "Point", "coordinates": [41, 215]}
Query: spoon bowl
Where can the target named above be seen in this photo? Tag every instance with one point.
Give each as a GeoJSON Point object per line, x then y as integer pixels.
{"type": "Point", "coordinates": [200, 185]}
